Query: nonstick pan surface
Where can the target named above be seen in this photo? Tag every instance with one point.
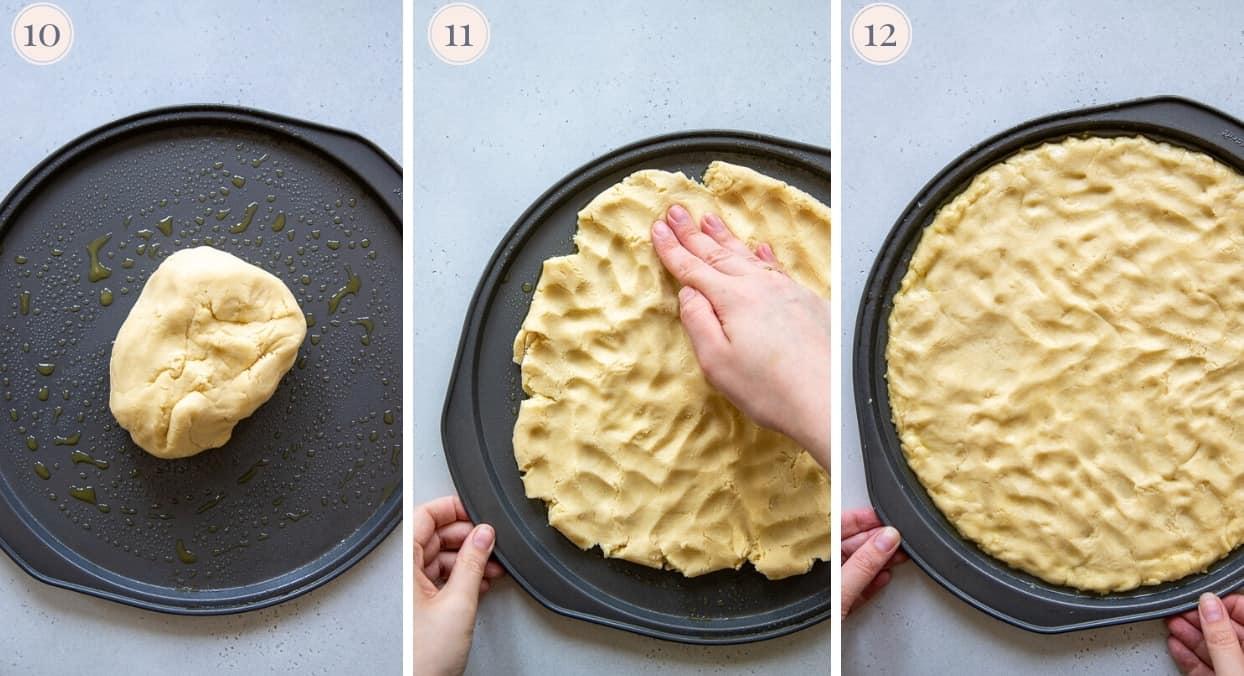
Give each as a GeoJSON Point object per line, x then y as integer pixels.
{"type": "Point", "coordinates": [899, 498]}
{"type": "Point", "coordinates": [310, 483]}
{"type": "Point", "coordinates": [482, 406]}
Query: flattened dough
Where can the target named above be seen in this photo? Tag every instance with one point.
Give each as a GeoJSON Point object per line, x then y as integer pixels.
{"type": "Point", "coordinates": [206, 344]}
{"type": "Point", "coordinates": [1065, 362]}
{"type": "Point", "coordinates": [622, 436]}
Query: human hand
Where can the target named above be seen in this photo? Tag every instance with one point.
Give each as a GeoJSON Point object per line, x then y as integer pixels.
{"type": "Point", "coordinates": [761, 338]}
{"type": "Point", "coordinates": [452, 570]}
{"type": "Point", "coordinates": [869, 551]}
{"type": "Point", "coordinates": [1206, 641]}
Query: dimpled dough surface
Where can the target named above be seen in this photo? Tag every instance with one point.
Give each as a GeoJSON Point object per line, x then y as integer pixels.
{"type": "Point", "coordinates": [206, 344]}
{"type": "Point", "coordinates": [622, 436]}
{"type": "Point", "coordinates": [1065, 364]}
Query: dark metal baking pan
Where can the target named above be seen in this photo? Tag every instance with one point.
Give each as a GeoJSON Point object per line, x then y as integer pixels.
{"type": "Point", "coordinates": [899, 498]}
{"type": "Point", "coordinates": [482, 404]}
{"type": "Point", "coordinates": [311, 482]}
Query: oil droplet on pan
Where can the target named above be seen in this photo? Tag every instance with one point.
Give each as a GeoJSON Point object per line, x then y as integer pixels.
{"type": "Point", "coordinates": [79, 457]}
{"type": "Point", "coordinates": [71, 440]}
{"type": "Point", "coordinates": [98, 270]}
{"type": "Point", "coordinates": [245, 223]}
{"type": "Point", "coordinates": [352, 287]}
{"type": "Point", "coordinates": [254, 469]}
{"type": "Point", "coordinates": [389, 491]}
{"type": "Point", "coordinates": [87, 494]}
{"type": "Point", "coordinates": [185, 555]}
{"type": "Point", "coordinates": [215, 500]}
{"type": "Point", "coordinates": [368, 325]}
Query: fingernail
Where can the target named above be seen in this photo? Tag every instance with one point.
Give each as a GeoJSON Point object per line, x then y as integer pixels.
{"type": "Point", "coordinates": [886, 540]}
{"type": "Point", "coordinates": [1211, 607]}
{"type": "Point", "coordinates": [484, 536]}
{"type": "Point", "coordinates": [685, 294]}
{"type": "Point", "coordinates": [660, 229]}
{"type": "Point", "coordinates": [678, 214]}
{"type": "Point", "coordinates": [713, 223]}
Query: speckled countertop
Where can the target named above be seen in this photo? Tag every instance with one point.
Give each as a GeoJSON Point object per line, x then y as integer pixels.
{"type": "Point", "coordinates": [285, 57]}
{"type": "Point", "coordinates": [530, 111]}
{"type": "Point", "coordinates": [974, 69]}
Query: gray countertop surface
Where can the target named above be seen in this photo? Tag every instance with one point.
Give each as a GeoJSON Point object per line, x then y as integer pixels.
{"type": "Point", "coordinates": [340, 67]}
{"type": "Point", "coordinates": [561, 84]}
{"type": "Point", "coordinates": [975, 68]}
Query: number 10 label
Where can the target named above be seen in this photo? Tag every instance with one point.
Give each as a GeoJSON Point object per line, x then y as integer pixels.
{"type": "Point", "coordinates": [458, 34]}
{"type": "Point", "coordinates": [42, 33]}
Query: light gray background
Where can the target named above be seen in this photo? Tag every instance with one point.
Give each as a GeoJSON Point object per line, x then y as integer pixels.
{"type": "Point", "coordinates": [974, 69]}
{"type": "Point", "coordinates": [560, 84]}
{"type": "Point", "coordinates": [325, 64]}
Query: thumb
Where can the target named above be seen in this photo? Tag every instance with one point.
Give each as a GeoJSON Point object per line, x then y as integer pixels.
{"type": "Point", "coordinates": [424, 588]}
{"type": "Point", "coordinates": [418, 560]}
{"type": "Point", "coordinates": [701, 323]}
{"type": "Point", "coordinates": [468, 571]}
{"type": "Point", "coordinates": [1220, 637]}
{"type": "Point", "coordinates": [863, 566]}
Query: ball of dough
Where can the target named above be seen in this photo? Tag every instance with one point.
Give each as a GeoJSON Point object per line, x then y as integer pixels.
{"type": "Point", "coordinates": [205, 346]}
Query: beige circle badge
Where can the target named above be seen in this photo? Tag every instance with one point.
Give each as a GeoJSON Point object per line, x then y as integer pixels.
{"type": "Point", "coordinates": [458, 33]}
{"type": "Point", "coordinates": [42, 33]}
{"type": "Point", "coordinates": [880, 33]}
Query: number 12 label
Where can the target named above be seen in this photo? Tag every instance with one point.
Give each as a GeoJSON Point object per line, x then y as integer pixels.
{"type": "Point", "coordinates": [880, 33]}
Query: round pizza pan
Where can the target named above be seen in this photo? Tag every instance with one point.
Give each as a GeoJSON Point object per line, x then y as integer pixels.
{"type": "Point", "coordinates": [481, 408]}
{"type": "Point", "coordinates": [311, 482]}
{"type": "Point", "coordinates": [899, 498]}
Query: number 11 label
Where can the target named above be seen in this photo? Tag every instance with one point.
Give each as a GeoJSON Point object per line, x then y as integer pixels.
{"type": "Point", "coordinates": [458, 34]}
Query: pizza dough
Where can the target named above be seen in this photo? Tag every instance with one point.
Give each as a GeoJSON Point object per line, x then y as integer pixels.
{"type": "Point", "coordinates": [1066, 362]}
{"type": "Point", "coordinates": [206, 344]}
{"type": "Point", "coordinates": [622, 436]}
